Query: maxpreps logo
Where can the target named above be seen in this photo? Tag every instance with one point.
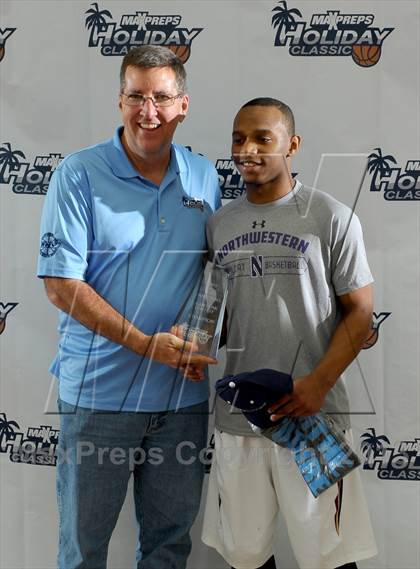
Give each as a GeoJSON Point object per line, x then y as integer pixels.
{"type": "Point", "coordinates": [329, 34]}
{"type": "Point", "coordinates": [37, 446]}
{"type": "Point", "coordinates": [373, 335]}
{"type": "Point", "coordinates": [230, 180]}
{"type": "Point", "coordinates": [4, 35]}
{"type": "Point", "coordinates": [139, 28]}
{"type": "Point", "coordinates": [26, 178]}
{"type": "Point", "coordinates": [5, 310]}
{"type": "Point", "coordinates": [395, 183]}
{"type": "Point", "coordinates": [399, 462]}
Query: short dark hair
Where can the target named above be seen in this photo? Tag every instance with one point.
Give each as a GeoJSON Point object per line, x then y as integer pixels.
{"type": "Point", "coordinates": [289, 119]}
{"type": "Point", "coordinates": [150, 56]}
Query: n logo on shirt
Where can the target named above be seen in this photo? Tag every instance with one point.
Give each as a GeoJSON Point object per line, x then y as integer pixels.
{"type": "Point", "coordinates": [257, 265]}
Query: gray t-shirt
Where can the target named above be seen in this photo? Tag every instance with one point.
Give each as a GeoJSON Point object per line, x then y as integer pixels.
{"type": "Point", "coordinates": [287, 260]}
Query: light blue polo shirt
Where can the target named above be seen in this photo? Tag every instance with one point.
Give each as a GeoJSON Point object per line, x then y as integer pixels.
{"type": "Point", "coordinates": [140, 247]}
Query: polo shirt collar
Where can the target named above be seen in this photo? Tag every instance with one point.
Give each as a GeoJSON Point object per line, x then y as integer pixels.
{"type": "Point", "coordinates": [122, 167]}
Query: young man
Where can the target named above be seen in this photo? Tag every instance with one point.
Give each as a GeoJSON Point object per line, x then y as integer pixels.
{"type": "Point", "coordinates": [120, 251]}
{"type": "Point", "coordinates": [300, 301]}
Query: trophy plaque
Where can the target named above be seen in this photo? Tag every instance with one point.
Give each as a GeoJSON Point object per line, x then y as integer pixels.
{"type": "Point", "coordinates": [200, 319]}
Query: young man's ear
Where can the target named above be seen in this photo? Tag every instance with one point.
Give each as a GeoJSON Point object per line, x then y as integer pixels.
{"type": "Point", "coordinates": [294, 145]}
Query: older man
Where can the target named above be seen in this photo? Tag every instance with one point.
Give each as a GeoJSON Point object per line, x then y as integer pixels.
{"type": "Point", "coordinates": [121, 244]}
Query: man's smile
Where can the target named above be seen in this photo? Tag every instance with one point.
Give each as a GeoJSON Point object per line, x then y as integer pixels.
{"type": "Point", "coordinates": [149, 125]}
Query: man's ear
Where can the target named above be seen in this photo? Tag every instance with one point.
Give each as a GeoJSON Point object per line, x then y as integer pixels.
{"type": "Point", "coordinates": [184, 107]}
{"type": "Point", "coordinates": [294, 145]}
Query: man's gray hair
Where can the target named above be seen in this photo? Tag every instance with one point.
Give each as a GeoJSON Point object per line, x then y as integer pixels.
{"type": "Point", "coordinates": [149, 56]}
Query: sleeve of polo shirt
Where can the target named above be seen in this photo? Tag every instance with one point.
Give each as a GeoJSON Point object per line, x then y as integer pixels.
{"type": "Point", "coordinates": [66, 224]}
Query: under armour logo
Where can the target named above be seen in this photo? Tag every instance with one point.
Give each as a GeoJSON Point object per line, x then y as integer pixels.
{"type": "Point", "coordinates": [256, 224]}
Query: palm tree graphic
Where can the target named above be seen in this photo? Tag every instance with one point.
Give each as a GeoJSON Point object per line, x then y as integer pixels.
{"type": "Point", "coordinates": [378, 165]}
{"type": "Point", "coordinates": [7, 429]}
{"type": "Point", "coordinates": [372, 445]}
{"type": "Point", "coordinates": [96, 21]}
{"type": "Point", "coordinates": [9, 159]}
{"type": "Point", "coordinates": [283, 19]}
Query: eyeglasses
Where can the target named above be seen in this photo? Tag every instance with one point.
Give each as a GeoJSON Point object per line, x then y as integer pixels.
{"type": "Point", "coordinates": [138, 100]}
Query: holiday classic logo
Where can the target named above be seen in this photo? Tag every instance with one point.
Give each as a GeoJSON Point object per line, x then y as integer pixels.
{"type": "Point", "coordinates": [373, 335]}
{"type": "Point", "coordinates": [399, 462]}
{"type": "Point", "coordinates": [332, 33]}
{"type": "Point", "coordinates": [4, 36]}
{"type": "Point", "coordinates": [26, 177]}
{"type": "Point", "coordinates": [5, 310]}
{"type": "Point", "coordinates": [37, 446]}
{"type": "Point", "coordinates": [136, 29]}
{"type": "Point", "coordinates": [395, 183]}
{"type": "Point", "coordinates": [230, 180]}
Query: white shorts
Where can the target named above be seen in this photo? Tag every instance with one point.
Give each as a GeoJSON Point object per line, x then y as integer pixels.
{"type": "Point", "coordinates": [251, 479]}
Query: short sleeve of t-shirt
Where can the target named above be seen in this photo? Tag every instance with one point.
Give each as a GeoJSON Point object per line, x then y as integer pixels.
{"type": "Point", "coordinates": [66, 224]}
{"type": "Point", "coordinates": [350, 269]}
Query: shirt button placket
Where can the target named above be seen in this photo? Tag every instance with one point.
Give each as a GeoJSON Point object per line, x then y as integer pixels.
{"type": "Point", "coordinates": [161, 218]}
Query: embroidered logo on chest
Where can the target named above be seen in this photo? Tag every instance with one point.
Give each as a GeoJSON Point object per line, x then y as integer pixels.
{"type": "Point", "coordinates": [193, 203]}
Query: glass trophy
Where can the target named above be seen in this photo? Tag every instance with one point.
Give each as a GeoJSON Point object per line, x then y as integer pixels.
{"type": "Point", "coordinates": [200, 319]}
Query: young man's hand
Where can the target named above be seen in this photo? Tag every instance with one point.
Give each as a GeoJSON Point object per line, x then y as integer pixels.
{"type": "Point", "coordinates": [307, 399]}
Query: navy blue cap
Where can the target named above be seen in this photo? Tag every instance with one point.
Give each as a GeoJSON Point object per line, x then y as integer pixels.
{"type": "Point", "coordinates": [253, 392]}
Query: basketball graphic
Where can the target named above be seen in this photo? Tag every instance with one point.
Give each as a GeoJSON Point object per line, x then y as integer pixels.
{"type": "Point", "coordinates": [372, 335]}
{"type": "Point", "coordinates": [366, 55]}
{"type": "Point", "coordinates": [4, 311]}
{"type": "Point", "coordinates": [182, 51]}
{"type": "Point", "coordinates": [371, 339]}
{"type": "Point", "coordinates": [4, 35]}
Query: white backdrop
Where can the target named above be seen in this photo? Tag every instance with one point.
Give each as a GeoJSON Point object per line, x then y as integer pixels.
{"type": "Point", "coordinates": [58, 94]}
